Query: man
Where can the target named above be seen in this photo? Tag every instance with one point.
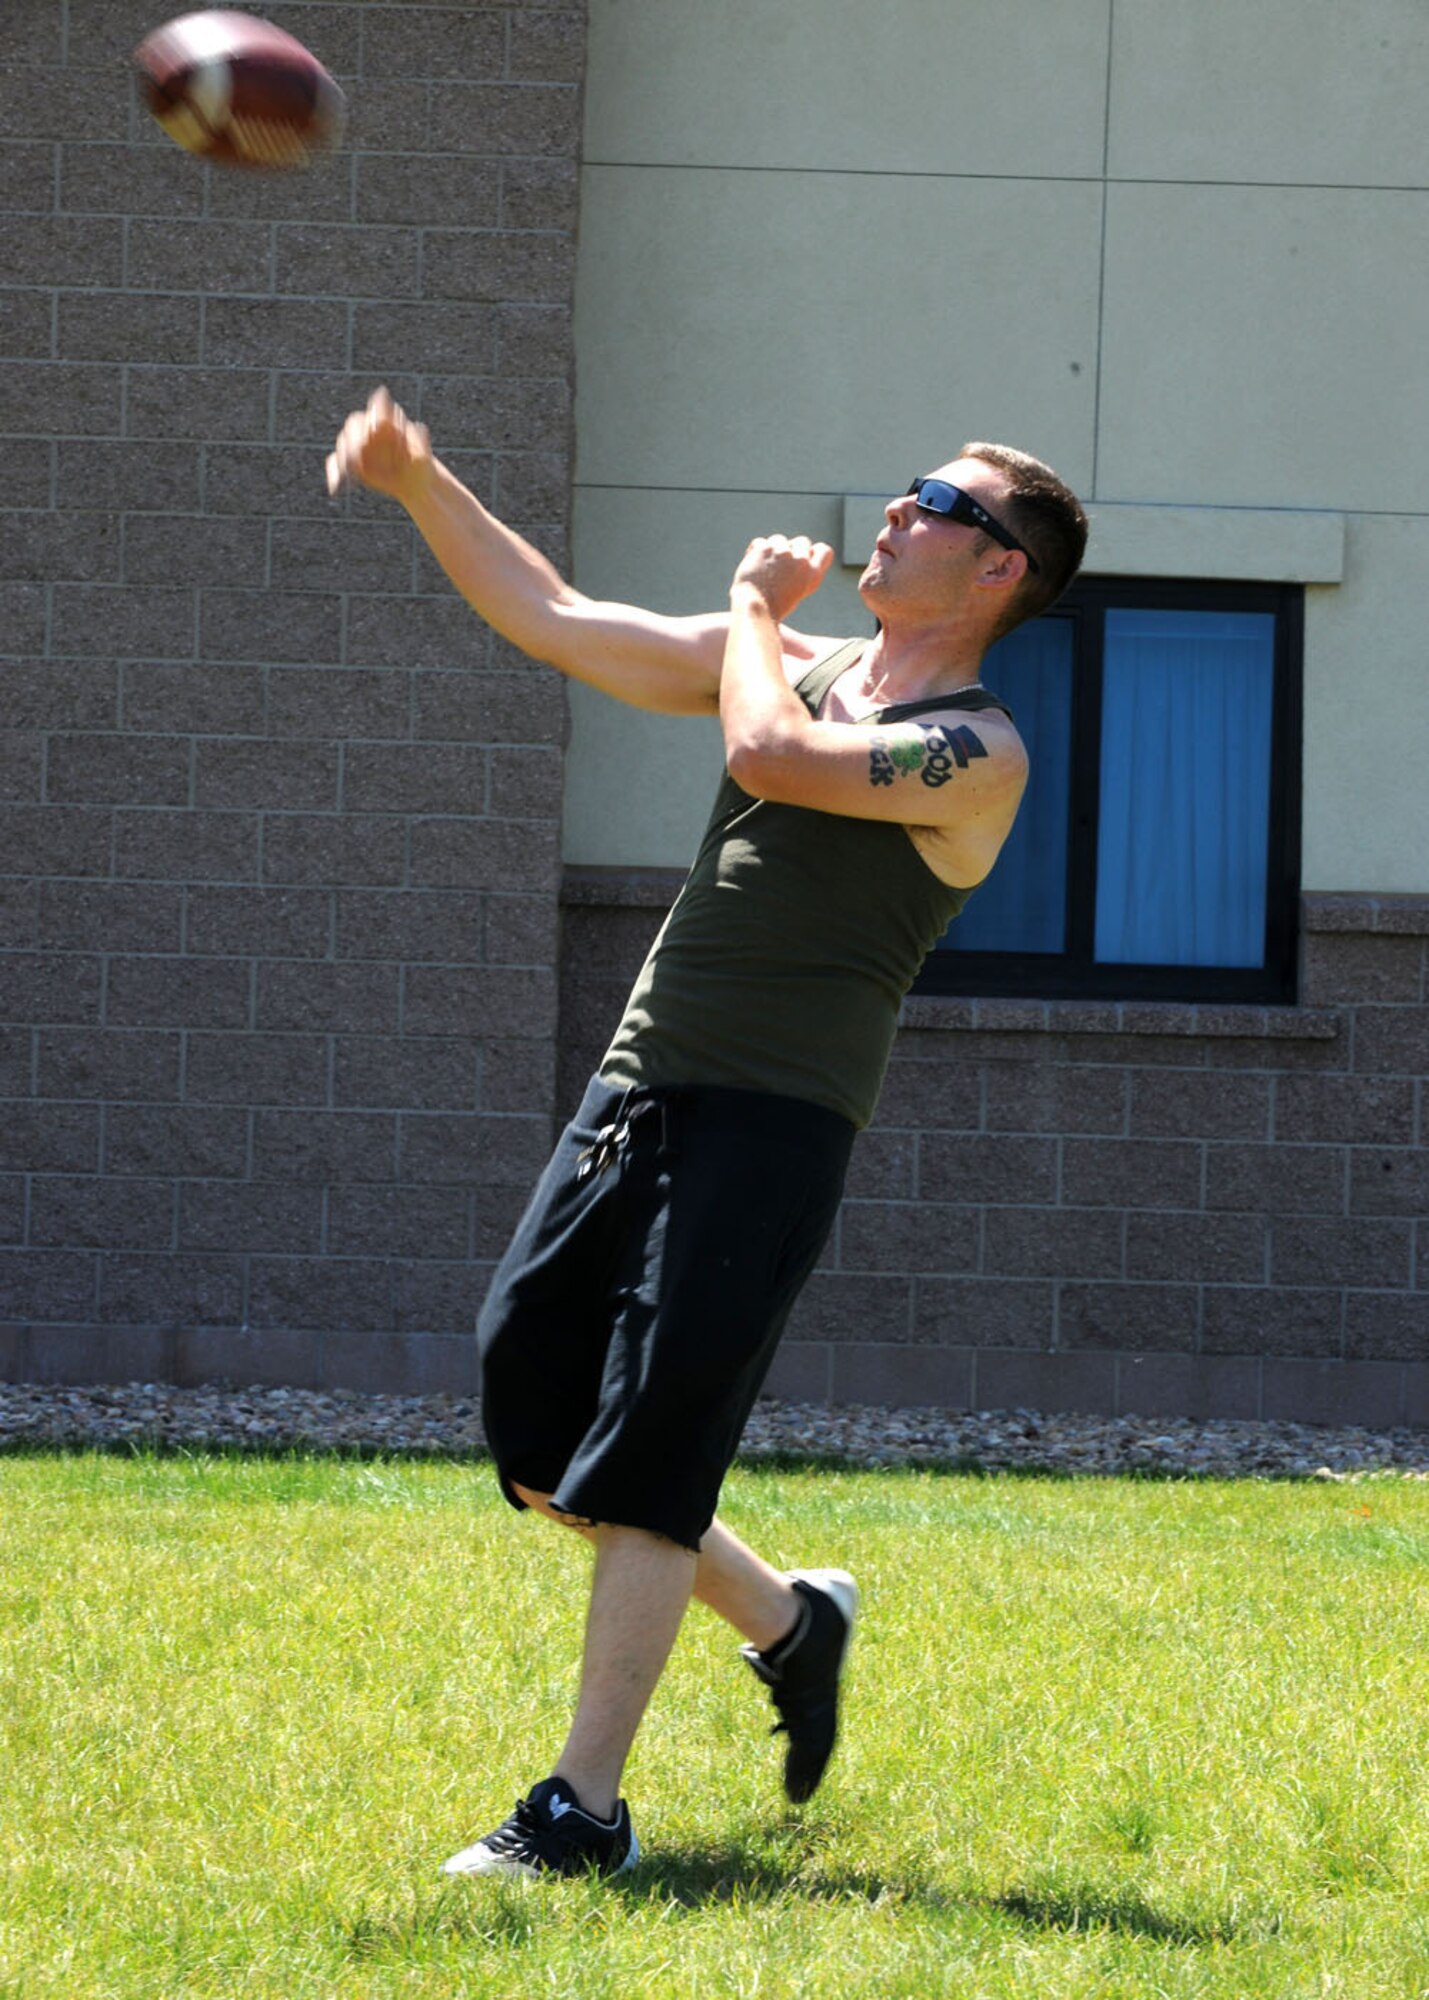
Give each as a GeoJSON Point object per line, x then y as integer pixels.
{"type": "Point", "coordinates": [869, 787]}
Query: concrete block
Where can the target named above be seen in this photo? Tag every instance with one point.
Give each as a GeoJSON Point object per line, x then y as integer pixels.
{"type": "Point", "coordinates": [414, 632]}
{"type": "Point", "coordinates": [439, 1299]}
{"type": "Point", "coordinates": [336, 555]}
{"type": "Point", "coordinates": [1260, 1320]}
{"type": "Point", "coordinates": [472, 1149]}
{"type": "Point", "coordinates": [242, 1216]}
{"type": "Point", "coordinates": [334, 848]}
{"type": "Point", "coordinates": [172, 1289]}
{"type": "Point", "coordinates": [1364, 1111]}
{"type": "Point", "coordinates": [447, 1000]}
{"type": "Point", "coordinates": [188, 700]}
{"type": "Point", "coordinates": [270, 627]}
{"type": "Point", "coordinates": [104, 623]}
{"type": "Point", "coordinates": [343, 1295]}
{"type": "Point", "coordinates": [120, 326]}
{"type": "Point", "coordinates": [422, 191]}
{"type": "Point", "coordinates": [273, 333]}
{"type": "Point", "coordinates": [398, 1073]}
{"type": "Point", "coordinates": [540, 194]}
{"type": "Point", "coordinates": [1027, 1097]}
{"type": "Point", "coordinates": [1312, 1250]}
{"type": "Point", "coordinates": [157, 1141]}
{"type": "Point", "coordinates": [1140, 1319]}
{"type": "Point", "coordinates": [301, 777]}
{"type": "Point", "coordinates": [428, 42]}
{"type": "Point", "coordinates": [325, 1146]}
{"type": "Point", "coordinates": [1187, 1385]}
{"type": "Point", "coordinates": [50, 990]}
{"type": "Point", "coordinates": [1387, 1326]}
{"type": "Point", "coordinates": [40, 1285]}
{"type": "Point", "coordinates": [901, 1377]}
{"type": "Point", "coordinates": [445, 339]}
{"type": "Point", "coordinates": [198, 403]}
{"type": "Point", "coordinates": [266, 923]}
{"type": "Point", "coordinates": [1184, 1104]}
{"type": "Point", "coordinates": [186, 846]}
{"type": "Point", "coordinates": [495, 267]}
{"type": "Point", "coordinates": [172, 992]}
{"type": "Point", "coordinates": [332, 258]}
{"type": "Point", "coordinates": [49, 1139]}
{"type": "Point", "coordinates": [1017, 1381]}
{"type": "Point", "coordinates": [421, 1223]}
{"type": "Point", "coordinates": [1285, 1179]}
{"type": "Point", "coordinates": [109, 916]}
{"type": "Point", "coordinates": [99, 1063]}
{"type": "Point", "coordinates": [1196, 1249]}
{"type": "Point", "coordinates": [102, 473]}
{"type": "Point", "coordinates": [907, 1236]}
{"type": "Point", "coordinates": [253, 1069]}
{"type": "Point", "coordinates": [1333, 1392]}
{"type": "Point", "coordinates": [329, 999]}
{"type": "Point", "coordinates": [1130, 1173]}
{"type": "Point", "coordinates": [1052, 1243]}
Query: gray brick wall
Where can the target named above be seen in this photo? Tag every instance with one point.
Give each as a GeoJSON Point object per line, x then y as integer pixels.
{"type": "Point", "coordinates": [1151, 1208]}
{"type": "Point", "coordinates": [278, 817]}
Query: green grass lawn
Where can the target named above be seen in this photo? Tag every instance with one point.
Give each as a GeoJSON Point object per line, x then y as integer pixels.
{"type": "Point", "coordinates": [1105, 1738]}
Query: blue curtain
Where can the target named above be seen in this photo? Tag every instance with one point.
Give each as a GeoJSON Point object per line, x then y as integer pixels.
{"type": "Point", "coordinates": [1023, 906]}
{"type": "Point", "coordinates": [1185, 788]}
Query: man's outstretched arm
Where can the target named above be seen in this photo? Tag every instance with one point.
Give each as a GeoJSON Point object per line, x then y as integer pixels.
{"type": "Point", "coordinates": [671, 665]}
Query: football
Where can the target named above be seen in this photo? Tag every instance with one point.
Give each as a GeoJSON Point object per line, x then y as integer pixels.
{"type": "Point", "coordinates": [236, 89]}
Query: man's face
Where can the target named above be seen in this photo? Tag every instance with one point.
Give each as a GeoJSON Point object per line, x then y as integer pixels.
{"type": "Point", "coordinates": [921, 557]}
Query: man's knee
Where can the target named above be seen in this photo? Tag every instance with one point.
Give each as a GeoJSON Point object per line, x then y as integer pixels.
{"type": "Point", "coordinates": [540, 1503]}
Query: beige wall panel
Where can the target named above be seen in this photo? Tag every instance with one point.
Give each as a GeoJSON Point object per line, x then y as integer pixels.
{"type": "Point", "coordinates": [903, 86]}
{"type": "Point", "coordinates": [1265, 347]}
{"type": "Point", "coordinates": [638, 787]}
{"type": "Point", "coordinates": [1366, 819]}
{"type": "Point", "coordinates": [1271, 90]}
{"type": "Point", "coordinates": [828, 331]}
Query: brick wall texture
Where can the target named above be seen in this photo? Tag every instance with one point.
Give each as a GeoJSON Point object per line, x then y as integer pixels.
{"type": "Point", "coordinates": [286, 1000]}
{"type": "Point", "coordinates": [279, 819]}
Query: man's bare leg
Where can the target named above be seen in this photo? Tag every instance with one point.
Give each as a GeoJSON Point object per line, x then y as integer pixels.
{"type": "Point", "coordinates": [736, 1584]}
{"type": "Point", "coordinates": [638, 1595]}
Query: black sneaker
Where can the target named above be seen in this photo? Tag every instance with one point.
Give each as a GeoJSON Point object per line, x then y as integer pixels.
{"type": "Point", "coordinates": [802, 1675]}
{"type": "Point", "coordinates": [551, 1833]}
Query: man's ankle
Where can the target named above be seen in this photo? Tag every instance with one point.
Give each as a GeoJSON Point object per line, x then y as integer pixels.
{"type": "Point", "coordinates": [594, 1796]}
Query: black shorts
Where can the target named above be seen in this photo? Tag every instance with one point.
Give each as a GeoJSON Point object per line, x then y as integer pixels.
{"type": "Point", "coordinates": [634, 1317]}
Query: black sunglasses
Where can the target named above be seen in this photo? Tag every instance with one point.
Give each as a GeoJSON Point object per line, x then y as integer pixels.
{"type": "Point", "coordinates": [936, 496]}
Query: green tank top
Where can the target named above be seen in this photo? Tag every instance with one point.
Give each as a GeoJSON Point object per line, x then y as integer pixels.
{"type": "Point", "coordinates": [786, 956]}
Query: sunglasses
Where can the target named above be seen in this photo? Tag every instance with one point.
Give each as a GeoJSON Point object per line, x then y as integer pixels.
{"type": "Point", "coordinates": [936, 496]}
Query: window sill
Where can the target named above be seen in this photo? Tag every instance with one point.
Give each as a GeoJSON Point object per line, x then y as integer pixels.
{"type": "Point", "coordinates": [1127, 1017]}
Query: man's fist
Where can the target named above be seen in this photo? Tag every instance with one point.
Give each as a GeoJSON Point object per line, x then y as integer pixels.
{"type": "Point", "coordinates": [784, 570]}
{"type": "Point", "coordinates": [380, 447]}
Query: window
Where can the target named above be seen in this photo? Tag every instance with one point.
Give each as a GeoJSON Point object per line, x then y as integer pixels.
{"type": "Point", "coordinates": [1156, 853]}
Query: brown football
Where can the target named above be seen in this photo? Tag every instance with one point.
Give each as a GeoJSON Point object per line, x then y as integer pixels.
{"type": "Point", "coordinates": [233, 88]}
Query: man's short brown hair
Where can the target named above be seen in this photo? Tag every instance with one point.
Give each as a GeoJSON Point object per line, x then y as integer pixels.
{"type": "Point", "coordinates": [1045, 514]}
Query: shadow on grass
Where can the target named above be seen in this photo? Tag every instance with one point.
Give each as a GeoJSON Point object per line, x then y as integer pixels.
{"type": "Point", "coordinates": [1080, 1907]}
{"type": "Point", "coordinates": [516, 1914]}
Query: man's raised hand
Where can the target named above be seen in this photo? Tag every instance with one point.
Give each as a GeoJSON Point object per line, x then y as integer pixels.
{"type": "Point", "coordinates": [380, 447]}
{"type": "Point", "coordinates": [784, 570]}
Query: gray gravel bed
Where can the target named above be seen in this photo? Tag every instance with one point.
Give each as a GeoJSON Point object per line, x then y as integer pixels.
{"type": "Point", "coordinates": [152, 1415]}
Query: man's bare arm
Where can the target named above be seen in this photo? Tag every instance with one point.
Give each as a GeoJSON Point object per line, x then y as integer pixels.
{"type": "Point", "coordinates": [671, 665]}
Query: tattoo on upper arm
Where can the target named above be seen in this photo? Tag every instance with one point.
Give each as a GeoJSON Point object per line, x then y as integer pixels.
{"type": "Point", "coordinates": [927, 748]}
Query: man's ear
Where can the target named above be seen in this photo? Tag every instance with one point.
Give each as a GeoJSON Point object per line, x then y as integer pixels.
{"type": "Point", "coordinates": [1000, 568]}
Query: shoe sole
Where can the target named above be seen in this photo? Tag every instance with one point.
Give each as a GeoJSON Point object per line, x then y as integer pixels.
{"type": "Point", "coordinates": [479, 1860]}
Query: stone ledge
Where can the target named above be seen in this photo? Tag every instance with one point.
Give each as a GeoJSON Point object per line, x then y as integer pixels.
{"type": "Point", "coordinates": [1129, 1017]}
{"type": "Point", "coordinates": [620, 888]}
{"type": "Point", "coordinates": [1365, 914]}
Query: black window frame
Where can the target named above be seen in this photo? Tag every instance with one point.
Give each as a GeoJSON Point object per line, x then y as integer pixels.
{"type": "Point", "coordinates": [1074, 973]}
